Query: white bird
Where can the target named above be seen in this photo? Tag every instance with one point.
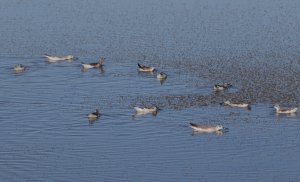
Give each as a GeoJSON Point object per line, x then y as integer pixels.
{"type": "Point", "coordinates": [94, 115]}
{"type": "Point", "coordinates": [206, 128]}
{"type": "Point", "coordinates": [281, 110]}
{"type": "Point", "coordinates": [161, 76]}
{"type": "Point", "coordinates": [242, 105]}
{"type": "Point", "coordinates": [222, 87]}
{"type": "Point", "coordinates": [146, 110]}
{"type": "Point", "coordinates": [19, 68]}
{"type": "Point", "coordinates": [93, 65]}
{"type": "Point", "coordinates": [144, 68]}
{"type": "Point", "coordinates": [53, 59]}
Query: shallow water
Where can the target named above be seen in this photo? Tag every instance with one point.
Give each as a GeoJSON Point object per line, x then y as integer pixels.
{"type": "Point", "coordinates": [46, 136]}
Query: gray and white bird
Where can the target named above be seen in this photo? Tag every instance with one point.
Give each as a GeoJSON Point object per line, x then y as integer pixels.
{"type": "Point", "coordinates": [238, 104]}
{"type": "Point", "coordinates": [285, 110]}
{"type": "Point", "coordinates": [206, 128]}
{"type": "Point", "coordinates": [225, 86]}
{"type": "Point", "coordinates": [144, 68]}
{"type": "Point", "coordinates": [52, 58]}
{"type": "Point", "coordinates": [19, 68]}
{"type": "Point", "coordinates": [161, 76]}
{"type": "Point", "coordinates": [94, 115]}
{"type": "Point", "coordinates": [98, 64]}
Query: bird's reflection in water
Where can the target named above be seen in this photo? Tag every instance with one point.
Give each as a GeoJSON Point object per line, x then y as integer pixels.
{"type": "Point", "coordinates": [101, 70]}
{"type": "Point", "coordinates": [162, 82]}
{"type": "Point", "coordinates": [140, 114]}
{"type": "Point", "coordinates": [140, 73]}
{"type": "Point", "coordinates": [217, 133]}
{"type": "Point", "coordinates": [286, 115]}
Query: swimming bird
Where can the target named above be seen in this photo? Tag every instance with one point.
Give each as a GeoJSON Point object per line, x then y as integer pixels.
{"type": "Point", "coordinates": [161, 76]}
{"type": "Point", "coordinates": [222, 87]}
{"type": "Point", "coordinates": [94, 115]}
{"type": "Point", "coordinates": [281, 110]}
{"type": "Point", "coordinates": [146, 110]}
{"type": "Point", "coordinates": [238, 104]}
{"type": "Point", "coordinates": [93, 65]}
{"type": "Point", "coordinates": [139, 111]}
{"type": "Point", "coordinates": [206, 128]}
{"type": "Point", "coordinates": [145, 68]}
{"type": "Point", "coordinates": [19, 68]}
{"type": "Point", "coordinates": [52, 58]}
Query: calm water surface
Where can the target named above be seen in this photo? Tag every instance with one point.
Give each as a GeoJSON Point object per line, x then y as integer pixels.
{"type": "Point", "coordinates": [46, 136]}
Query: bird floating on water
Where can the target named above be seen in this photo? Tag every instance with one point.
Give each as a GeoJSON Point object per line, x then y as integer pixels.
{"type": "Point", "coordinates": [93, 65]}
{"type": "Point", "coordinates": [52, 58]}
{"type": "Point", "coordinates": [285, 110]}
{"type": "Point", "coordinates": [238, 104]}
{"type": "Point", "coordinates": [225, 86]}
{"type": "Point", "coordinates": [206, 128]}
{"type": "Point", "coordinates": [144, 68]}
{"type": "Point", "coordinates": [161, 76]}
{"type": "Point", "coordinates": [146, 109]}
{"type": "Point", "coordinates": [94, 115]}
{"type": "Point", "coordinates": [19, 68]}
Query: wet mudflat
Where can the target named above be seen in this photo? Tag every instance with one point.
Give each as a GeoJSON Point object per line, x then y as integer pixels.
{"type": "Point", "coordinates": [46, 136]}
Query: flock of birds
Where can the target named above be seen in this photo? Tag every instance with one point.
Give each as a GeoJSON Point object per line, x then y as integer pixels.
{"type": "Point", "coordinates": [153, 110]}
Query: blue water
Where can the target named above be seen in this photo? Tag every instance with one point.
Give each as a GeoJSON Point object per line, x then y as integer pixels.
{"type": "Point", "coordinates": [44, 131]}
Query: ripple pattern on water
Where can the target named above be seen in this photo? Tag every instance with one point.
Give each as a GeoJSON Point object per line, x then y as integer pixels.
{"type": "Point", "coordinates": [44, 130]}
